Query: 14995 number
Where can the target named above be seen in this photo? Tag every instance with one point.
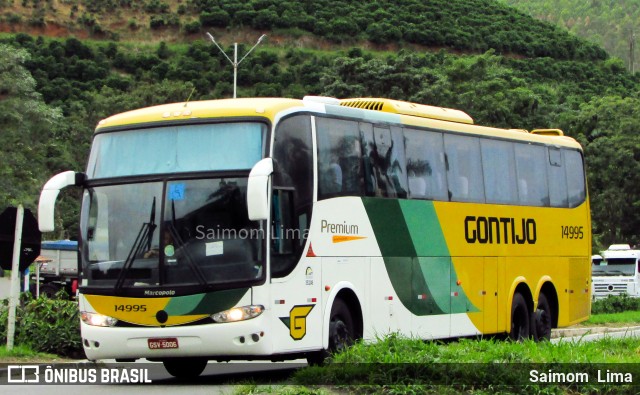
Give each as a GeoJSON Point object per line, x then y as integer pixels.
{"type": "Point", "coordinates": [131, 307]}
{"type": "Point", "coordinates": [572, 232]}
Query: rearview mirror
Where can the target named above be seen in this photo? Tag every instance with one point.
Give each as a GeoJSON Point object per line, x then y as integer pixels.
{"type": "Point", "coordinates": [258, 190]}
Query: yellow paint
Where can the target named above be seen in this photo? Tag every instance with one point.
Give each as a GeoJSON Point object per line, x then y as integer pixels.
{"type": "Point", "coordinates": [263, 107]}
{"type": "Point", "coordinates": [490, 268]}
{"type": "Point", "coordinates": [115, 306]}
{"type": "Point", "coordinates": [298, 321]}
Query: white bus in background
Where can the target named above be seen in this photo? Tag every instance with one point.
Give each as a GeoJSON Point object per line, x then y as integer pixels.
{"type": "Point", "coordinates": [616, 272]}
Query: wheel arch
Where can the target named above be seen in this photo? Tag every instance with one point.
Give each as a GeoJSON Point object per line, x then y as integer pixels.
{"type": "Point", "coordinates": [547, 288]}
{"type": "Point", "coordinates": [345, 291]}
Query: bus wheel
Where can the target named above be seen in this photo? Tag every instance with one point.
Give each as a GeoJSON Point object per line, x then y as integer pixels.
{"type": "Point", "coordinates": [519, 319]}
{"type": "Point", "coordinates": [542, 320]}
{"type": "Point", "coordinates": [185, 368]}
{"type": "Point", "coordinates": [341, 328]}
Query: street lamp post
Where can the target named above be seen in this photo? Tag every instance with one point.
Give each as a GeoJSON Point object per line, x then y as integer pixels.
{"type": "Point", "coordinates": [235, 62]}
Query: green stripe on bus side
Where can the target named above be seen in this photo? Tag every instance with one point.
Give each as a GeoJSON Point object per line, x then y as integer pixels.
{"type": "Point", "coordinates": [209, 303]}
{"type": "Point", "coordinates": [424, 228]}
{"type": "Point", "coordinates": [415, 252]}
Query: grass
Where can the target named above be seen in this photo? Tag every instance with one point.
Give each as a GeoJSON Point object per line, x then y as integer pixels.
{"type": "Point", "coordinates": [626, 317]}
{"type": "Point", "coordinates": [23, 353]}
{"type": "Point", "coordinates": [399, 365]}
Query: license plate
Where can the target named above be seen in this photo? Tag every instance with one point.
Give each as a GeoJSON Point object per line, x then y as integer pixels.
{"type": "Point", "coordinates": [163, 344]}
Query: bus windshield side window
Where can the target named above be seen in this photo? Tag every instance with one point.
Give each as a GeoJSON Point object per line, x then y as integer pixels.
{"type": "Point", "coordinates": [292, 192]}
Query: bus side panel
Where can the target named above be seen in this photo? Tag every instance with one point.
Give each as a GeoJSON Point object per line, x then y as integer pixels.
{"type": "Point", "coordinates": [386, 312]}
{"type": "Point", "coordinates": [297, 309]}
{"type": "Point", "coordinates": [579, 306]}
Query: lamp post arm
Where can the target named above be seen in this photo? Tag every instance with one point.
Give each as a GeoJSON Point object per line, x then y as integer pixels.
{"type": "Point", "coordinates": [252, 48]}
{"type": "Point", "coordinates": [221, 50]}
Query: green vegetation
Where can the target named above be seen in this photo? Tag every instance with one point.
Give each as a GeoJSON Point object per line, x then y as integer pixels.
{"type": "Point", "coordinates": [615, 304]}
{"type": "Point", "coordinates": [614, 25]}
{"type": "Point", "coordinates": [627, 317]}
{"type": "Point", "coordinates": [498, 65]}
{"type": "Point", "coordinates": [475, 25]}
{"type": "Point", "coordinates": [399, 365]}
{"type": "Point", "coordinates": [45, 326]}
{"type": "Point", "coordinates": [24, 353]}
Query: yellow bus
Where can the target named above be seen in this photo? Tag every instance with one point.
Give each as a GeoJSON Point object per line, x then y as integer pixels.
{"type": "Point", "coordinates": [274, 229]}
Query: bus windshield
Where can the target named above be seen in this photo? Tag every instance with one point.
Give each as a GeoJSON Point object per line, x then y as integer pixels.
{"type": "Point", "coordinates": [177, 233]}
{"type": "Point", "coordinates": [177, 149]}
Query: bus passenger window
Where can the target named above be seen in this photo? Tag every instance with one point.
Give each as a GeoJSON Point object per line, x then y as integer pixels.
{"type": "Point", "coordinates": [557, 179]}
{"type": "Point", "coordinates": [339, 158]}
{"type": "Point", "coordinates": [425, 165]}
{"type": "Point", "coordinates": [531, 170]}
{"type": "Point", "coordinates": [465, 168]}
{"type": "Point", "coordinates": [575, 177]}
{"type": "Point", "coordinates": [499, 167]}
{"type": "Point", "coordinates": [384, 161]}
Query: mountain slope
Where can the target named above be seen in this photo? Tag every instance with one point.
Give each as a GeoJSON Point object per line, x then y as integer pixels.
{"type": "Point", "coordinates": [592, 98]}
{"type": "Point", "coordinates": [615, 25]}
{"type": "Point", "coordinates": [470, 25]}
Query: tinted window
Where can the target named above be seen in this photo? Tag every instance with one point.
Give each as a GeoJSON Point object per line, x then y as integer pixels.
{"type": "Point", "coordinates": [557, 179]}
{"type": "Point", "coordinates": [575, 177]}
{"type": "Point", "coordinates": [292, 192]}
{"type": "Point", "coordinates": [425, 165]}
{"type": "Point", "coordinates": [499, 167]}
{"type": "Point", "coordinates": [339, 158]}
{"type": "Point", "coordinates": [464, 172]}
{"type": "Point", "coordinates": [531, 173]}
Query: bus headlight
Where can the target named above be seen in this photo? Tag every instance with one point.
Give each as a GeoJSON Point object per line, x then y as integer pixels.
{"type": "Point", "coordinates": [96, 319]}
{"type": "Point", "coordinates": [238, 313]}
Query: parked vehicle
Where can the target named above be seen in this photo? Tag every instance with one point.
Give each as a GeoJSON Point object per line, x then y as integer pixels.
{"type": "Point", "coordinates": [60, 271]}
{"type": "Point", "coordinates": [616, 272]}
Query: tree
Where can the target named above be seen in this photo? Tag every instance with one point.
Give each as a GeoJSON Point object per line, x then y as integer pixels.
{"type": "Point", "coordinates": [28, 128]}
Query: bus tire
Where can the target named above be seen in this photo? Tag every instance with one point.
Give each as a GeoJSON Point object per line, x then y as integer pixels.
{"type": "Point", "coordinates": [520, 319]}
{"type": "Point", "coordinates": [49, 290]}
{"type": "Point", "coordinates": [341, 327]}
{"type": "Point", "coordinates": [541, 324]}
{"type": "Point", "coordinates": [185, 368]}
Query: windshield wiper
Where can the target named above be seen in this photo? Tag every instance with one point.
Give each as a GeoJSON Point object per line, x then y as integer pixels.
{"type": "Point", "coordinates": [145, 236]}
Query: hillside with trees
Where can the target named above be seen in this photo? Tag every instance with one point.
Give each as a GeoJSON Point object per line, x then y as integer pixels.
{"type": "Point", "coordinates": [614, 25]}
{"type": "Point", "coordinates": [55, 89]}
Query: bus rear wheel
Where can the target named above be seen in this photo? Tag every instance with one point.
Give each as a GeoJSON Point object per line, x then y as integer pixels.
{"type": "Point", "coordinates": [542, 320]}
{"type": "Point", "coordinates": [185, 368]}
{"type": "Point", "coordinates": [520, 319]}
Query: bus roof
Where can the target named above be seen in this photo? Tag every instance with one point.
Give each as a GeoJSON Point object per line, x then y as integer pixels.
{"type": "Point", "coordinates": [370, 109]}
